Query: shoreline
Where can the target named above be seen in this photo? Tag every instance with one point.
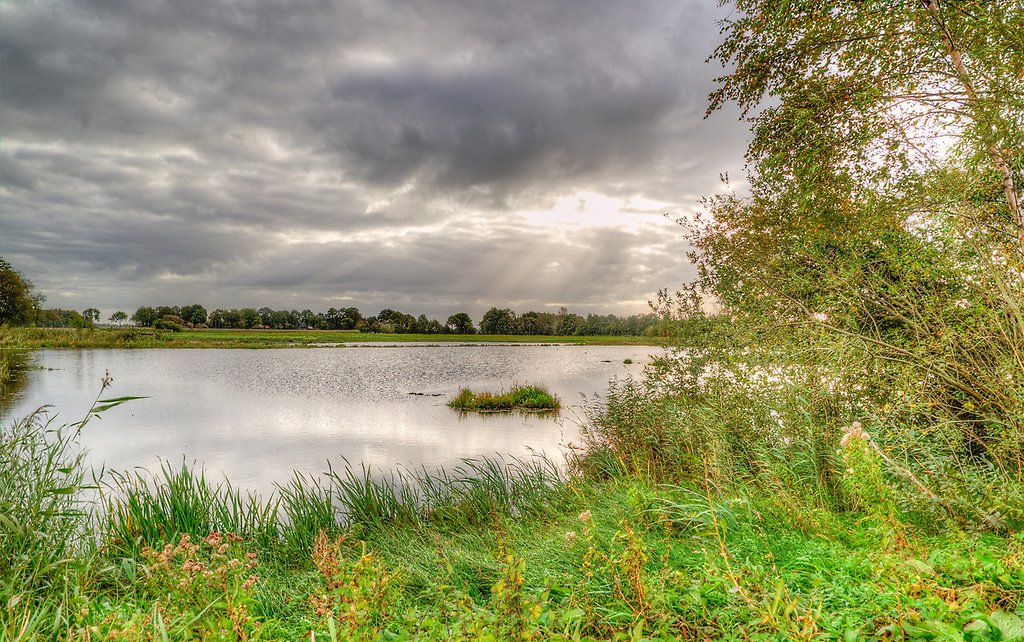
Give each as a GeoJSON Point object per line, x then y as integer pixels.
{"type": "Point", "coordinates": [143, 338]}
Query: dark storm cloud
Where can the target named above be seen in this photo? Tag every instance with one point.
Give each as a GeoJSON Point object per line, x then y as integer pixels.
{"type": "Point", "coordinates": [250, 153]}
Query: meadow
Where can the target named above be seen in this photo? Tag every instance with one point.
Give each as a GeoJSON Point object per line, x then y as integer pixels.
{"type": "Point", "coordinates": [132, 337]}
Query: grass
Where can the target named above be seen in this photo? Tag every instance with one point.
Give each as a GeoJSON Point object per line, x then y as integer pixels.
{"type": "Point", "coordinates": [661, 529]}
{"type": "Point", "coordinates": [522, 398]}
{"type": "Point", "coordinates": [34, 338]}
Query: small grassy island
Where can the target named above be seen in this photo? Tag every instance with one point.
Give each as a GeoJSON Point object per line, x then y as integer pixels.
{"type": "Point", "coordinates": [522, 398]}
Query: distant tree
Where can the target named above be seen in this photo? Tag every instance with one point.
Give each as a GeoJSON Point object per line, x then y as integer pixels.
{"type": "Point", "coordinates": [59, 318]}
{"type": "Point", "coordinates": [145, 316]}
{"type": "Point", "coordinates": [249, 318]}
{"type": "Point", "coordinates": [92, 314]}
{"type": "Point", "coordinates": [535, 323]}
{"type": "Point", "coordinates": [350, 318]}
{"type": "Point", "coordinates": [18, 301]}
{"type": "Point", "coordinates": [569, 324]}
{"type": "Point", "coordinates": [194, 314]}
{"type": "Point", "coordinates": [232, 319]}
{"type": "Point", "coordinates": [497, 321]}
{"type": "Point", "coordinates": [168, 310]}
{"type": "Point", "coordinates": [460, 323]}
{"type": "Point", "coordinates": [399, 321]}
{"type": "Point", "coordinates": [333, 319]}
{"type": "Point", "coordinates": [118, 317]}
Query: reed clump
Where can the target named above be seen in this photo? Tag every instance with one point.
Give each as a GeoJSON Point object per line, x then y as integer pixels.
{"type": "Point", "coordinates": [527, 398]}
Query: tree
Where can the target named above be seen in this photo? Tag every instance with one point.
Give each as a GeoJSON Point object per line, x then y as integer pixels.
{"type": "Point", "coordinates": [118, 317]}
{"type": "Point", "coordinates": [18, 301]}
{"type": "Point", "coordinates": [881, 236]}
{"type": "Point", "coordinates": [92, 314]}
{"type": "Point", "coordinates": [350, 318]}
{"type": "Point", "coordinates": [145, 316]}
{"type": "Point", "coordinates": [534, 323]}
{"type": "Point", "coordinates": [333, 319]}
{"type": "Point", "coordinates": [194, 315]}
{"type": "Point", "coordinates": [248, 318]}
{"type": "Point", "coordinates": [460, 323]}
{"type": "Point", "coordinates": [499, 321]}
{"type": "Point", "coordinates": [869, 94]}
{"type": "Point", "coordinates": [398, 321]}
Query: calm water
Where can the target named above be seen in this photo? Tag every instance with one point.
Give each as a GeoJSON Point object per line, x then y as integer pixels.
{"type": "Point", "coordinates": [257, 415]}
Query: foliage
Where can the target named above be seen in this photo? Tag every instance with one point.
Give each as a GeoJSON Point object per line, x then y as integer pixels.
{"type": "Point", "coordinates": [19, 303]}
{"type": "Point", "coordinates": [872, 271]}
{"type": "Point", "coordinates": [516, 398]}
{"type": "Point", "coordinates": [118, 317]}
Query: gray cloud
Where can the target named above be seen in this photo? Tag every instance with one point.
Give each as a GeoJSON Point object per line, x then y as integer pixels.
{"type": "Point", "coordinates": [302, 153]}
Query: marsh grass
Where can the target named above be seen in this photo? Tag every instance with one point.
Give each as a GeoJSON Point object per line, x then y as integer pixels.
{"type": "Point", "coordinates": [145, 510]}
{"type": "Point", "coordinates": [686, 516]}
{"type": "Point", "coordinates": [523, 398]}
{"type": "Point", "coordinates": [493, 548]}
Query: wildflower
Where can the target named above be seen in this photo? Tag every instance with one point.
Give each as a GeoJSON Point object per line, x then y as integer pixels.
{"type": "Point", "coordinates": [855, 431]}
{"type": "Point", "coordinates": [585, 516]}
{"type": "Point", "coordinates": [570, 536]}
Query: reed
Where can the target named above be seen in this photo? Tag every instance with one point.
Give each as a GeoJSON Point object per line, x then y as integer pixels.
{"type": "Point", "coordinates": [143, 510]}
{"type": "Point", "coordinates": [523, 398]}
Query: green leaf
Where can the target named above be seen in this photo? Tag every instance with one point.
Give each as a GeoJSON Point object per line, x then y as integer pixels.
{"type": "Point", "coordinates": [934, 630]}
{"type": "Point", "coordinates": [1010, 626]}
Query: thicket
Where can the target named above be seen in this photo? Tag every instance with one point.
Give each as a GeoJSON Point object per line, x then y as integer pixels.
{"type": "Point", "coordinates": [872, 272]}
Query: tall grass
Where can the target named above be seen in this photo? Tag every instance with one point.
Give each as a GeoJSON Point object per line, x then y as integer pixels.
{"type": "Point", "coordinates": [43, 516]}
{"type": "Point", "coordinates": [146, 510]}
{"type": "Point", "coordinates": [530, 398]}
{"type": "Point", "coordinates": [142, 510]}
{"type": "Point", "coordinates": [41, 520]}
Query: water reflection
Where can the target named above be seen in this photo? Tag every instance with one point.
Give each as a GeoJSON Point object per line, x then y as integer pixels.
{"type": "Point", "coordinates": [257, 415]}
{"type": "Point", "coordinates": [13, 376]}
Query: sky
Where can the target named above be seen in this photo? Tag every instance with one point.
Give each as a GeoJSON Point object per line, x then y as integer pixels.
{"type": "Point", "coordinates": [430, 156]}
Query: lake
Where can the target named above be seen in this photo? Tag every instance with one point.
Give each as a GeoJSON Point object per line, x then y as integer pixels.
{"type": "Point", "coordinates": [255, 416]}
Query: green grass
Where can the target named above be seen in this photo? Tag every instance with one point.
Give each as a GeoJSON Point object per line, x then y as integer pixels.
{"type": "Point", "coordinates": [672, 524]}
{"type": "Point", "coordinates": [522, 398]}
{"type": "Point", "coordinates": [33, 338]}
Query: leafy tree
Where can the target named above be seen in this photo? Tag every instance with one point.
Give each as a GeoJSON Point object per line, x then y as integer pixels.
{"type": "Point", "coordinates": [248, 318]}
{"type": "Point", "coordinates": [880, 238]}
{"type": "Point", "coordinates": [118, 317]}
{"type": "Point", "coordinates": [499, 321]}
{"type": "Point", "coordinates": [194, 314]}
{"type": "Point", "coordinates": [534, 323]}
{"type": "Point", "coordinates": [569, 324]}
{"type": "Point", "coordinates": [350, 318]}
{"type": "Point", "coordinates": [60, 318]}
{"type": "Point", "coordinates": [145, 316]}
{"type": "Point", "coordinates": [333, 319]}
{"type": "Point", "coordinates": [92, 314]}
{"type": "Point", "coordinates": [460, 323]}
{"type": "Point", "coordinates": [398, 321]}
{"type": "Point", "coordinates": [18, 301]}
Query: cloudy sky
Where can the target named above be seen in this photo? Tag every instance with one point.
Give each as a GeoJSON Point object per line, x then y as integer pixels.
{"type": "Point", "coordinates": [432, 156]}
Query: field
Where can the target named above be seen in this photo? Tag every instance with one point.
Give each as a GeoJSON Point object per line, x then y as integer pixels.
{"type": "Point", "coordinates": [32, 338]}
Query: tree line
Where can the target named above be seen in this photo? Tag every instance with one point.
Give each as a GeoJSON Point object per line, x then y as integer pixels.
{"type": "Point", "coordinates": [389, 321]}
{"type": "Point", "coordinates": [20, 304]}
